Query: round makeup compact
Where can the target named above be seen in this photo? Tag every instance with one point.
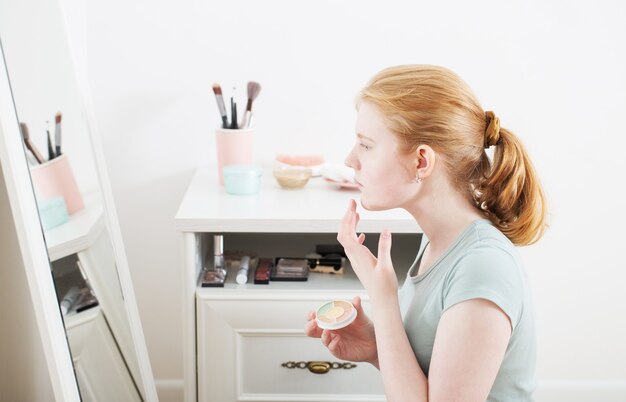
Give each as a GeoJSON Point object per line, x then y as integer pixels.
{"type": "Point", "coordinates": [335, 314]}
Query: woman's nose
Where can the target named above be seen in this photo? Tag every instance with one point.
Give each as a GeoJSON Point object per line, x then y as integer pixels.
{"type": "Point", "coordinates": [351, 161]}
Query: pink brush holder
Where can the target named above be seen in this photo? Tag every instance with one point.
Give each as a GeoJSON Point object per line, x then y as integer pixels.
{"type": "Point", "coordinates": [55, 178]}
{"type": "Point", "coordinates": [234, 147]}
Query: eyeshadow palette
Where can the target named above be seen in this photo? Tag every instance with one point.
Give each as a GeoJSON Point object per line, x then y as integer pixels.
{"type": "Point", "coordinates": [335, 314]}
{"type": "Point", "coordinates": [290, 269]}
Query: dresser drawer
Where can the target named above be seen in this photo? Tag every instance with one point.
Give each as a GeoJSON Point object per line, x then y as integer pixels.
{"type": "Point", "coordinates": [242, 345]}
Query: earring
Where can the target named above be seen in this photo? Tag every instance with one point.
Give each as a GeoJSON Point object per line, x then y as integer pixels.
{"type": "Point", "coordinates": [417, 178]}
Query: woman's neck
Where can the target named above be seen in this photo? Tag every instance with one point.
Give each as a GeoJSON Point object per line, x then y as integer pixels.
{"type": "Point", "coordinates": [442, 213]}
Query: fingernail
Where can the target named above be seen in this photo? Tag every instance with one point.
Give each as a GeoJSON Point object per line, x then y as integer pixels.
{"type": "Point", "coordinates": [385, 234]}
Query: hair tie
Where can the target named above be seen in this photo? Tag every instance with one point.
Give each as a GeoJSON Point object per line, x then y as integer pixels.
{"type": "Point", "coordinates": [492, 130]}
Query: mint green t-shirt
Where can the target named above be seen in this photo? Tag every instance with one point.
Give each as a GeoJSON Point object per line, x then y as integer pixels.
{"type": "Point", "coordinates": [482, 263]}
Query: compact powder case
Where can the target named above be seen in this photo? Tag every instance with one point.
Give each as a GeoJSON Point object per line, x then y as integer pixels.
{"type": "Point", "coordinates": [335, 314]}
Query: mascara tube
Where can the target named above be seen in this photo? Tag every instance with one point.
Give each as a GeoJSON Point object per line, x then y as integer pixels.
{"type": "Point", "coordinates": [242, 274]}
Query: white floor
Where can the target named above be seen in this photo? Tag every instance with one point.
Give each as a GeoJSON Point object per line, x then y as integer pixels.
{"type": "Point", "coordinates": [547, 391]}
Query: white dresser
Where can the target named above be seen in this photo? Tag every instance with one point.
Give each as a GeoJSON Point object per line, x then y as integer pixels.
{"type": "Point", "coordinates": [239, 338]}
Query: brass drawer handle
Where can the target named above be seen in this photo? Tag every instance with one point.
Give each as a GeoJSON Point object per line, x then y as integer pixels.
{"type": "Point", "coordinates": [319, 367]}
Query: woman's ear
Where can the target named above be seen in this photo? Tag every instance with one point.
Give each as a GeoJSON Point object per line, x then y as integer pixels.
{"type": "Point", "coordinates": [424, 161]}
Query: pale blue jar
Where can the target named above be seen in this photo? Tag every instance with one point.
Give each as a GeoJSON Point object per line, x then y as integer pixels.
{"type": "Point", "coordinates": [242, 179]}
{"type": "Point", "coordinates": [52, 212]}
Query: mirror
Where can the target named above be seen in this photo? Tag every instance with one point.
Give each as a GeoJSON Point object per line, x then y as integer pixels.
{"type": "Point", "coordinates": [87, 260]}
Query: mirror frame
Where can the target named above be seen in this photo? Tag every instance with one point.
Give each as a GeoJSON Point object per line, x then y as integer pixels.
{"type": "Point", "coordinates": [32, 241]}
{"type": "Point", "coordinates": [33, 248]}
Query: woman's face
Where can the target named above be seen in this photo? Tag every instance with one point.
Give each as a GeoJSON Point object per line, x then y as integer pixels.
{"type": "Point", "coordinates": [384, 174]}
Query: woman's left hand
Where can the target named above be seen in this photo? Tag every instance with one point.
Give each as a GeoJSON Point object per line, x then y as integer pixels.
{"type": "Point", "coordinates": [376, 274]}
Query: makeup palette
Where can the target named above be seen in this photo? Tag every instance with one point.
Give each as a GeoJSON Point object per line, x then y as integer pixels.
{"type": "Point", "coordinates": [335, 314]}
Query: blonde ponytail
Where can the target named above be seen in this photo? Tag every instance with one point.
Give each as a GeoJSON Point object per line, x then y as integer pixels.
{"type": "Point", "coordinates": [432, 105]}
{"type": "Point", "coordinates": [509, 193]}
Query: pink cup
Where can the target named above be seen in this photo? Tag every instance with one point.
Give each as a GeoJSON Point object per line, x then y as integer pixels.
{"type": "Point", "coordinates": [55, 178]}
{"type": "Point", "coordinates": [234, 147]}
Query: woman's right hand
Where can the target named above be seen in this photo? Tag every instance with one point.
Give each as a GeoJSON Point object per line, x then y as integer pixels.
{"type": "Point", "coordinates": [356, 342]}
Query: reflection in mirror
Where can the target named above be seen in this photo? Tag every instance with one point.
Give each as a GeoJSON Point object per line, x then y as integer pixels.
{"type": "Point", "coordinates": [69, 196]}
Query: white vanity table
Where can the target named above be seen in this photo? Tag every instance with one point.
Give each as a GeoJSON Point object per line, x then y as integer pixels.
{"type": "Point", "coordinates": [236, 338]}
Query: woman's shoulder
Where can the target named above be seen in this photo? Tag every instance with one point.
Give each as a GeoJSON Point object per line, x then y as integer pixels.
{"type": "Point", "coordinates": [488, 267]}
{"type": "Point", "coordinates": [487, 240]}
{"type": "Point", "coordinates": [487, 250]}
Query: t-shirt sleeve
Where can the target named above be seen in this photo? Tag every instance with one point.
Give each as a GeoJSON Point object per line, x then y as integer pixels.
{"type": "Point", "coordinates": [490, 274]}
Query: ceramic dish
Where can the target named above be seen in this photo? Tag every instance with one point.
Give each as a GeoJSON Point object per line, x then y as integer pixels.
{"type": "Point", "coordinates": [292, 177]}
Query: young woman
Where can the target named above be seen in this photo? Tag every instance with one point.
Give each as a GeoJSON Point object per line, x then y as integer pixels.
{"type": "Point", "coordinates": [462, 328]}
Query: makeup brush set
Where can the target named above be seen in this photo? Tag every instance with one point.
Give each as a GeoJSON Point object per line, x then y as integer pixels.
{"type": "Point", "coordinates": [57, 192]}
{"type": "Point", "coordinates": [54, 149]}
{"type": "Point", "coordinates": [254, 88]}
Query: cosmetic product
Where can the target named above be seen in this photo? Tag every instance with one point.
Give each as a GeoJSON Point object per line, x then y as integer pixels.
{"type": "Point", "coordinates": [52, 212]}
{"type": "Point", "coordinates": [214, 274]}
{"type": "Point", "coordinates": [57, 134]}
{"type": "Point", "coordinates": [51, 154]}
{"type": "Point", "coordinates": [29, 144]}
{"type": "Point", "coordinates": [326, 265]}
{"type": "Point", "coordinates": [335, 314]}
{"type": "Point", "coordinates": [219, 264]}
{"type": "Point", "coordinates": [242, 274]}
{"type": "Point", "coordinates": [69, 299]}
{"type": "Point", "coordinates": [213, 279]}
{"type": "Point", "coordinates": [242, 179]}
{"type": "Point", "coordinates": [254, 88]}
{"type": "Point", "coordinates": [220, 104]}
{"type": "Point", "coordinates": [263, 271]}
{"type": "Point", "coordinates": [290, 269]}
{"type": "Point", "coordinates": [292, 178]}
{"type": "Point", "coordinates": [86, 300]}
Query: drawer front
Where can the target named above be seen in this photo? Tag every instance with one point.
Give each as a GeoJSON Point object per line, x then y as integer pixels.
{"type": "Point", "coordinates": [241, 356]}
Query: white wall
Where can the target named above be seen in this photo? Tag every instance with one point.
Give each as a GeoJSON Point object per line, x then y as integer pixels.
{"type": "Point", "coordinates": [553, 71]}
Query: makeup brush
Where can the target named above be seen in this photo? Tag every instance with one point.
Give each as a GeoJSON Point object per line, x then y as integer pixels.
{"type": "Point", "coordinates": [57, 134]}
{"type": "Point", "coordinates": [253, 91]}
{"type": "Point", "coordinates": [233, 112]}
{"type": "Point", "coordinates": [220, 104]}
{"type": "Point", "coordinates": [51, 154]}
{"type": "Point", "coordinates": [29, 144]}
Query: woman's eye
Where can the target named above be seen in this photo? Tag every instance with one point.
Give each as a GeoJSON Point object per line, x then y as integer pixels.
{"type": "Point", "coordinates": [365, 147]}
